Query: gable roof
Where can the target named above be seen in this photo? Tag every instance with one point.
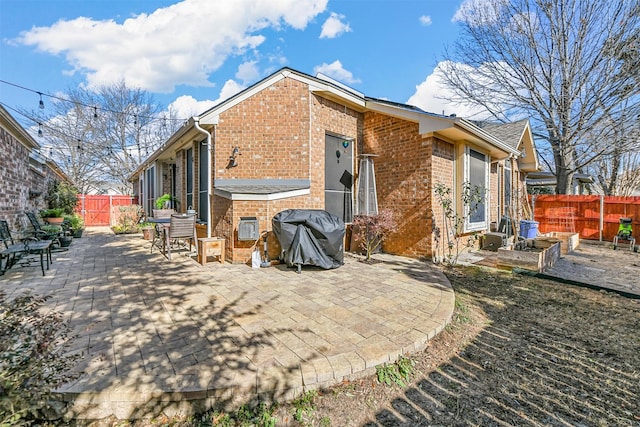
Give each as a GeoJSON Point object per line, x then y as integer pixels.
{"type": "Point", "coordinates": [452, 127]}
{"type": "Point", "coordinates": [511, 133]}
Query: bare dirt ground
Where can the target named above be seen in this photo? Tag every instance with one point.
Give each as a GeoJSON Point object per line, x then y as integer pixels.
{"type": "Point", "coordinates": [521, 351]}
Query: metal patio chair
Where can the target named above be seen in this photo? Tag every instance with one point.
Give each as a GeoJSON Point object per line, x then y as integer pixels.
{"type": "Point", "coordinates": [182, 228]}
{"type": "Point", "coordinates": [39, 232]}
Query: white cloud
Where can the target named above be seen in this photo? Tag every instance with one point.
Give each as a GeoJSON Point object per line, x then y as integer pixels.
{"type": "Point", "coordinates": [248, 71]}
{"type": "Point", "coordinates": [425, 20]}
{"type": "Point", "coordinates": [476, 12]}
{"type": "Point", "coordinates": [187, 106]}
{"type": "Point", "coordinates": [431, 95]}
{"type": "Point", "coordinates": [179, 44]}
{"type": "Point", "coordinates": [334, 27]}
{"type": "Point", "coordinates": [336, 71]}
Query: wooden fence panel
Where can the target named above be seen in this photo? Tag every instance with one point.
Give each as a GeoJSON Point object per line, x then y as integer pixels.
{"type": "Point", "coordinates": [587, 215]}
{"type": "Point", "coordinates": [96, 209]}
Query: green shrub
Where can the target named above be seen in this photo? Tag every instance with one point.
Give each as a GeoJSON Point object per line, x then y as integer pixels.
{"type": "Point", "coordinates": [61, 195]}
{"type": "Point", "coordinates": [164, 201]}
{"type": "Point", "coordinates": [127, 219]}
{"type": "Point", "coordinates": [75, 221]}
{"type": "Point", "coordinates": [33, 358]}
{"type": "Point", "coordinates": [52, 213]}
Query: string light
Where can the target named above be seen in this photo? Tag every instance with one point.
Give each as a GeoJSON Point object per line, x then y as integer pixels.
{"type": "Point", "coordinates": [95, 112]}
{"type": "Point", "coordinates": [60, 134]}
{"type": "Point", "coordinates": [41, 104]}
{"type": "Point", "coordinates": [40, 130]}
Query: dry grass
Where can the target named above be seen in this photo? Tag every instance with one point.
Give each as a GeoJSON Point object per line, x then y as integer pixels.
{"type": "Point", "coordinates": [521, 351]}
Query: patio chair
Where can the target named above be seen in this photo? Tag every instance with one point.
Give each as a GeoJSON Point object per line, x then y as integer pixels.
{"type": "Point", "coordinates": [14, 249]}
{"type": "Point", "coordinates": [181, 228]}
{"type": "Point", "coordinates": [38, 231]}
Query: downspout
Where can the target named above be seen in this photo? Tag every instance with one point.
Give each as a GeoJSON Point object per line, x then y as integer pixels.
{"type": "Point", "coordinates": [209, 171]}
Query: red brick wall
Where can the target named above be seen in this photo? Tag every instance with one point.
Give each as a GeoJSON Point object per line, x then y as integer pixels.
{"type": "Point", "coordinates": [443, 173]}
{"type": "Point", "coordinates": [403, 180]}
{"type": "Point", "coordinates": [17, 178]}
{"type": "Point", "coordinates": [280, 132]}
{"type": "Point", "coordinates": [271, 129]}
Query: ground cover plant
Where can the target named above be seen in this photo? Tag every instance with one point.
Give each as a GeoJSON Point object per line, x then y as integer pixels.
{"type": "Point", "coordinates": [33, 359]}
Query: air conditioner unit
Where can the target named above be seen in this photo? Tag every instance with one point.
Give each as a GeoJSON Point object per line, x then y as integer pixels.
{"type": "Point", "coordinates": [493, 241]}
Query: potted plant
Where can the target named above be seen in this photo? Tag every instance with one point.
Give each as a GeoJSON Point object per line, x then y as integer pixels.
{"type": "Point", "coordinates": [65, 241]}
{"type": "Point", "coordinates": [163, 206]}
{"type": "Point", "coordinates": [147, 230]}
{"type": "Point", "coordinates": [76, 224]}
{"type": "Point", "coordinates": [54, 216]}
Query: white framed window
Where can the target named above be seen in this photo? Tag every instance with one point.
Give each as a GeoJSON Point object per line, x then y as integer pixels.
{"type": "Point", "coordinates": [476, 174]}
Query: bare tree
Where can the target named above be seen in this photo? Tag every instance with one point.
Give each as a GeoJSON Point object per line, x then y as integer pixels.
{"type": "Point", "coordinates": [100, 137]}
{"type": "Point", "coordinates": [571, 66]}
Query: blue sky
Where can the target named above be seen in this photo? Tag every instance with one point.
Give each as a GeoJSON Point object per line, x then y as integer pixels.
{"type": "Point", "coordinates": [192, 54]}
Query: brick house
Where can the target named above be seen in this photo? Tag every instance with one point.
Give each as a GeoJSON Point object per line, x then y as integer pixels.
{"type": "Point", "coordinates": [296, 141]}
{"type": "Point", "coordinates": [24, 174]}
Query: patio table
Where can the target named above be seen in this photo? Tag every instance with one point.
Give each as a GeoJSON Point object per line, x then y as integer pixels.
{"type": "Point", "coordinates": [41, 247]}
{"type": "Point", "coordinates": [162, 234]}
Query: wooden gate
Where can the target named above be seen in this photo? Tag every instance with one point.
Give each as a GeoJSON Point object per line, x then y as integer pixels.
{"type": "Point", "coordinates": [96, 209]}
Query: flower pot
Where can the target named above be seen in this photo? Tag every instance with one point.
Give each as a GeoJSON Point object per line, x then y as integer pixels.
{"type": "Point", "coordinates": [77, 233]}
{"type": "Point", "coordinates": [54, 220]}
{"type": "Point", "coordinates": [147, 233]}
{"type": "Point", "coordinates": [65, 241]}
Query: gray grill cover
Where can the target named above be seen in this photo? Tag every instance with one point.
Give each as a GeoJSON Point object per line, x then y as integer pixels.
{"type": "Point", "coordinates": [310, 237]}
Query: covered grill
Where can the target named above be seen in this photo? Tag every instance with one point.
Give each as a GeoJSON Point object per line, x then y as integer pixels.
{"type": "Point", "coordinates": [310, 237]}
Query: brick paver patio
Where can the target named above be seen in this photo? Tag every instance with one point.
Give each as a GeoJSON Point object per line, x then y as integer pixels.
{"type": "Point", "coordinates": [159, 336]}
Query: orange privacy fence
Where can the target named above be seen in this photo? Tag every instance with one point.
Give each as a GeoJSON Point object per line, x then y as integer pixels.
{"type": "Point", "coordinates": [594, 217]}
{"type": "Point", "coordinates": [96, 210]}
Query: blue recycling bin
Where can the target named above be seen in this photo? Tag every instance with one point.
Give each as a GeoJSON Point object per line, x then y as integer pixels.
{"type": "Point", "coordinates": [528, 229]}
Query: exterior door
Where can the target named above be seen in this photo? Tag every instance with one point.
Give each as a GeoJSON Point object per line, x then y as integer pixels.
{"type": "Point", "coordinates": [338, 177]}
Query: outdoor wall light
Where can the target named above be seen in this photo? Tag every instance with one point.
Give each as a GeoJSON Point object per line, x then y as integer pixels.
{"type": "Point", "coordinates": [233, 162]}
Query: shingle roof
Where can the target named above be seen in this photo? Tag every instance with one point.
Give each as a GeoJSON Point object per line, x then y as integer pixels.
{"type": "Point", "coordinates": [509, 133]}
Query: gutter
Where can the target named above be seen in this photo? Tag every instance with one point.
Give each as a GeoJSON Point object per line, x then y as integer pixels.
{"type": "Point", "coordinates": [196, 123]}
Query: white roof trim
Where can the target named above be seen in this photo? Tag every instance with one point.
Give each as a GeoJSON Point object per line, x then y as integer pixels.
{"type": "Point", "coordinates": [315, 85]}
{"type": "Point", "coordinates": [261, 197]}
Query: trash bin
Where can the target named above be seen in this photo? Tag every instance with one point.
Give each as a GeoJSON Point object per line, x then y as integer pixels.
{"type": "Point", "coordinates": [528, 229]}
{"type": "Point", "coordinates": [310, 237]}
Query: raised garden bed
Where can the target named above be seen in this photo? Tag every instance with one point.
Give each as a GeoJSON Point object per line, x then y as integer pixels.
{"type": "Point", "coordinates": [568, 241]}
{"type": "Point", "coordinates": [529, 258]}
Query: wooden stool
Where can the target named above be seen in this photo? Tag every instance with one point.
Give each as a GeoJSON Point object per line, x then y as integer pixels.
{"type": "Point", "coordinates": [212, 246]}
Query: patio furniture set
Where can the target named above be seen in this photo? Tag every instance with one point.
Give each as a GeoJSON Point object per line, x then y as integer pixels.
{"type": "Point", "coordinates": [40, 242]}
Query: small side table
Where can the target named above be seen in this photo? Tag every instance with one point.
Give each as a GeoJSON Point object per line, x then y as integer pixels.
{"type": "Point", "coordinates": [210, 246]}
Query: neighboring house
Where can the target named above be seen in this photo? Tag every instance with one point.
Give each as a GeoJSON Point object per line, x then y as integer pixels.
{"type": "Point", "coordinates": [296, 141]}
{"type": "Point", "coordinates": [24, 173]}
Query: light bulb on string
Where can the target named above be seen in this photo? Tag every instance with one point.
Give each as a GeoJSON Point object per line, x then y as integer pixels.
{"type": "Point", "coordinates": [95, 112]}
{"type": "Point", "coordinates": [41, 103]}
{"type": "Point", "coordinates": [40, 130]}
{"type": "Point", "coordinates": [79, 146]}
